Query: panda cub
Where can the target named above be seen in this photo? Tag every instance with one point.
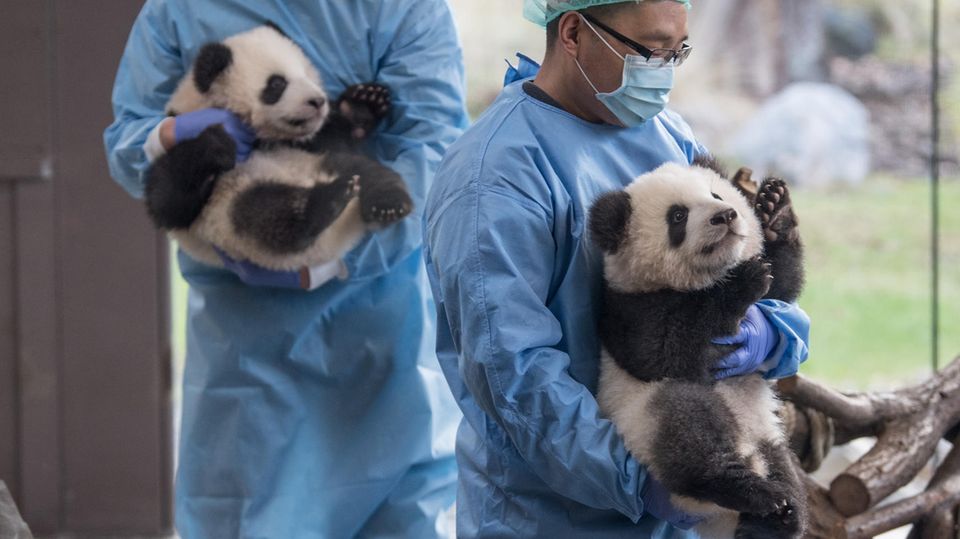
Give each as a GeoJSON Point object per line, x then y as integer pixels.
{"type": "Point", "coordinates": [306, 194]}
{"type": "Point", "coordinates": [684, 257]}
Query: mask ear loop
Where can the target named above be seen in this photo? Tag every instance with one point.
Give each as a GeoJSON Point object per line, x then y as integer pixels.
{"type": "Point", "coordinates": [609, 46]}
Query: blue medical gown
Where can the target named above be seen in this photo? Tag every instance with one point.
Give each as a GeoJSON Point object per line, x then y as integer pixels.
{"type": "Point", "coordinates": [320, 414]}
{"type": "Point", "coordinates": [518, 289]}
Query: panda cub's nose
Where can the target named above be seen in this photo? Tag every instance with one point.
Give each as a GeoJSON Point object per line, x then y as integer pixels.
{"type": "Point", "coordinates": [316, 102]}
{"type": "Point", "coordinates": [724, 218]}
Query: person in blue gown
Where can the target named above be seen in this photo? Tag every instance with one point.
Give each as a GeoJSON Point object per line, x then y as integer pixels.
{"type": "Point", "coordinates": [517, 282]}
{"type": "Point", "coordinates": [318, 414]}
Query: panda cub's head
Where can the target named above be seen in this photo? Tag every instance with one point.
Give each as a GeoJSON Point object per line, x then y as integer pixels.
{"type": "Point", "coordinates": [678, 227]}
{"type": "Point", "coordinates": [266, 79]}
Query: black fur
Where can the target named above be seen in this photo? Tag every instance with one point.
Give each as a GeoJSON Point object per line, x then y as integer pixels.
{"type": "Point", "coordinates": [285, 219]}
{"type": "Point", "coordinates": [782, 245]}
{"type": "Point", "coordinates": [273, 90]}
{"type": "Point", "coordinates": [789, 519]}
{"type": "Point", "coordinates": [214, 59]}
{"type": "Point", "coordinates": [609, 216]}
{"type": "Point", "coordinates": [383, 195]}
{"type": "Point", "coordinates": [276, 27]}
{"type": "Point", "coordinates": [677, 224]}
{"type": "Point", "coordinates": [667, 334]}
{"type": "Point", "coordinates": [719, 475]}
{"type": "Point", "coordinates": [710, 162]}
{"type": "Point", "coordinates": [179, 183]}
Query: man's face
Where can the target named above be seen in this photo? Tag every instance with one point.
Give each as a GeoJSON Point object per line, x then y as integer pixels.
{"type": "Point", "coordinates": [653, 24]}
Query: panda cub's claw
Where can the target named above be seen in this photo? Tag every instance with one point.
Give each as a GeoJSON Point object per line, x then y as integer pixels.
{"type": "Point", "coordinates": [374, 96]}
{"type": "Point", "coordinates": [774, 208]}
{"type": "Point", "coordinates": [385, 206]}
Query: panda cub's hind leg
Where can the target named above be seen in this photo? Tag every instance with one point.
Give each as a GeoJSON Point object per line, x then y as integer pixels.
{"type": "Point", "coordinates": [695, 453]}
{"type": "Point", "coordinates": [788, 522]}
{"type": "Point", "coordinates": [179, 183]}
{"type": "Point", "coordinates": [384, 198]}
{"type": "Point", "coordinates": [285, 219]}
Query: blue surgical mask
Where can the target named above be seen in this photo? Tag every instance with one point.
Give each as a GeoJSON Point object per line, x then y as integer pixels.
{"type": "Point", "coordinates": [644, 91]}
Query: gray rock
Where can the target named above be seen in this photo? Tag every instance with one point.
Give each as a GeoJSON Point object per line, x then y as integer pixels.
{"type": "Point", "coordinates": [810, 134]}
{"type": "Point", "coordinates": [12, 525]}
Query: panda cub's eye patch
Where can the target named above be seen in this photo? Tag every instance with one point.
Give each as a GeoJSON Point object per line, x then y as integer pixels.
{"type": "Point", "coordinates": [677, 214]}
{"type": "Point", "coordinates": [677, 224]}
{"type": "Point", "coordinates": [273, 91]}
{"type": "Point", "coordinates": [716, 196]}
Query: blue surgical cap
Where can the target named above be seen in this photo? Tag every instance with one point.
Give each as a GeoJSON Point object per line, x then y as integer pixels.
{"type": "Point", "coordinates": [542, 12]}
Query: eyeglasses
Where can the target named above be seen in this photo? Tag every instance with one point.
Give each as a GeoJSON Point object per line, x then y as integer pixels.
{"type": "Point", "coordinates": [665, 56]}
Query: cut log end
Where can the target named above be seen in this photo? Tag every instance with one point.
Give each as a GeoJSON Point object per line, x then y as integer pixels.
{"type": "Point", "coordinates": [849, 495]}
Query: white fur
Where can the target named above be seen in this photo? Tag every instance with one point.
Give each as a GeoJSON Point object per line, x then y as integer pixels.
{"type": "Point", "coordinates": [626, 401]}
{"type": "Point", "coordinates": [258, 54]}
{"type": "Point", "coordinates": [646, 262]}
{"type": "Point", "coordinates": [287, 166]}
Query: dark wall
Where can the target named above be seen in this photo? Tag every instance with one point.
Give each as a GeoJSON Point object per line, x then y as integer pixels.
{"type": "Point", "coordinates": [84, 336]}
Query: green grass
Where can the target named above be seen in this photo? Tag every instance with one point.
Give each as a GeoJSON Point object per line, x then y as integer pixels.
{"type": "Point", "coordinates": [868, 287]}
{"type": "Point", "coordinates": [868, 282]}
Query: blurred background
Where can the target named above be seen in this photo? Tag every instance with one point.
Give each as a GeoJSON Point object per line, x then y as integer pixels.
{"type": "Point", "coordinates": [833, 95]}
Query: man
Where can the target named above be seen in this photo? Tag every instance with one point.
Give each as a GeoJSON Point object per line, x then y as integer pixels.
{"type": "Point", "coordinates": [518, 285]}
{"type": "Point", "coordinates": [310, 414]}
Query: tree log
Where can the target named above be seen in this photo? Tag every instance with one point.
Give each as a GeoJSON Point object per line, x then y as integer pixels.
{"type": "Point", "coordinates": [904, 446]}
{"type": "Point", "coordinates": [890, 517]}
{"type": "Point", "coordinates": [910, 422]}
{"type": "Point", "coordinates": [852, 409]}
{"type": "Point", "coordinates": [942, 523]}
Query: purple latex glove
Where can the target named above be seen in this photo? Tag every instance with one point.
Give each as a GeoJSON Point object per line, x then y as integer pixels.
{"type": "Point", "coordinates": [190, 124]}
{"type": "Point", "coordinates": [255, 275]}
{"type": "Point", "coordinates": [656, 501]}
{"type": "Point", "coordinates": [757, 338]}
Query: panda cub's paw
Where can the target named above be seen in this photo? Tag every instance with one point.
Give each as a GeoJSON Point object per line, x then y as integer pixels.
{"type": "Point", "coordinates": [385, 204]}
{"type": "Point", "coordinates": [752, 280]}
{"type": "Point", "coordinates": [775, 210]}
{"type": "Point", "coordinates": [364, 105]}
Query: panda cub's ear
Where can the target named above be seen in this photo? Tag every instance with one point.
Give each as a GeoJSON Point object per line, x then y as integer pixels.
{"type": "Point", "coordinates": [609, 217]}
{"type": "Point", "coordinates": [214, 59]}
{"type": "Point", "coordinates": [710, 162]}
{"type": "Point", "coordinates": [276, 28]}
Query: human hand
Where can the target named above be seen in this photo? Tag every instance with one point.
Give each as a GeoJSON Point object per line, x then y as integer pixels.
{"type": "Point", "coordinates": [255, 275]}
{"type": "Point", "coordinates": [656, 502]}
{"type": "Point", "coordinates": [756, 337]}
{"type": "Point", "coordinates": [190, 124]}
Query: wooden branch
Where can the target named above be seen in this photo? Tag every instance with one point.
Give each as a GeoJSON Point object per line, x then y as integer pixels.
{"type": "Point", "coordinates": [940, 523]}
{"type": "Point", "coordinates": [908, 424]}
{"type": "Point", "coordinates": [892, 516]}
{"type": "Point", "coordinates": [904, 446]}
{"type": "Point", "coordinates": [852, 409]}
{"type": "Point", "coordinates": [824, 522]}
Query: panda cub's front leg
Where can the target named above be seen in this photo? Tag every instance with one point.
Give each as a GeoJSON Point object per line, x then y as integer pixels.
{"type": "Point", "coordinates": [782, 246]}
{"type": "Point", "coordinates": [179, 183]}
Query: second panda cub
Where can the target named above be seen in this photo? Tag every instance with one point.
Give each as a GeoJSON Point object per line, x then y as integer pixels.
{"type": "Point", "coordinates": [684, 257]}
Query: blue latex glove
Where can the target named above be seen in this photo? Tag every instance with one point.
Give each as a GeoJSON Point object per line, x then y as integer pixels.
{"type": "Point", "coordinates": [656, 502]}
{"type": "Point", "coordinates": [255, 275]}
{"type": "Point", "coordinates": [190, 124]}
{"type": "Point", "coordinates": [757, 338]}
